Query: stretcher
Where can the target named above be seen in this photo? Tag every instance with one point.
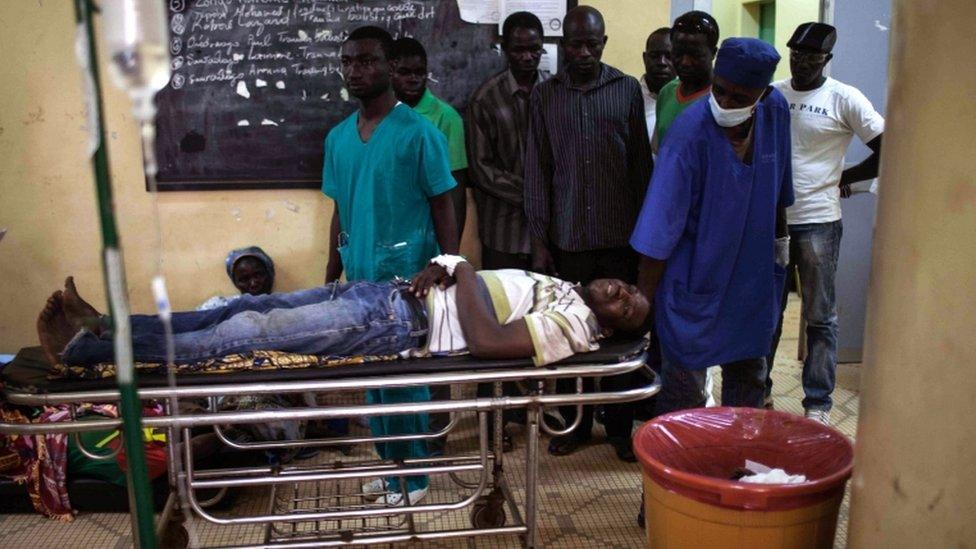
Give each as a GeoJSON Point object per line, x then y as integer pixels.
{"type": "Point", "coordinates": [297, 513]}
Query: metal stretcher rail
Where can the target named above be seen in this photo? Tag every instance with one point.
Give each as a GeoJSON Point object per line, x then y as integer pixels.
{"type": "Point", "coordinates": [186, 389]}
{"type": "Point", "coordinates": [343, 517]}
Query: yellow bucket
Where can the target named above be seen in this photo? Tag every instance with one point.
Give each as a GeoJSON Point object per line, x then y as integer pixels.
{"type": "Point", "coordinates": [690, 501]}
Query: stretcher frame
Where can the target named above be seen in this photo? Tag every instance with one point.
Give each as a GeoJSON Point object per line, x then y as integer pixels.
{"type": "Point", "coordinates": [493, 509]}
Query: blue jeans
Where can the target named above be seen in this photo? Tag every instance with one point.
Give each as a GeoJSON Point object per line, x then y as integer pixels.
{"type": "Point", "coordinates": [361, 318]}
{"type": "Point", "coordinates": [814, 250]}
{"type": "Point", "coordinates": [743, 383]}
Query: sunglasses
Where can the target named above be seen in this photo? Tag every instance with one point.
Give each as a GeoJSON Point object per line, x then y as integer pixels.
{"type": "Point", "coordinates": [809, 56]}
{"type": "Point", "coordinates": [701, 26]}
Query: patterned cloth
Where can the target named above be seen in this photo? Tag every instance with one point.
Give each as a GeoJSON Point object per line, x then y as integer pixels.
{"type": "Point", "coordinates": [43, 463]}
{"type": "Point", "coordinates": [255, 360]}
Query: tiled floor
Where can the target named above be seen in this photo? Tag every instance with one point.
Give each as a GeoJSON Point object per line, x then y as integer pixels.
{"type": "Point", "coordinates": [588, 499]}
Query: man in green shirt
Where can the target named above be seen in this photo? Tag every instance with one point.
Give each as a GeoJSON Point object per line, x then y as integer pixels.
{"type": "Point", "coordinates": [694, 41]}
{"type": "Point", "coordinates": [410, 84]}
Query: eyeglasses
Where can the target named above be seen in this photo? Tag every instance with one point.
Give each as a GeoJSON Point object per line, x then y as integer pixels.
{"type": "Point", "coordinates": [808, 56]}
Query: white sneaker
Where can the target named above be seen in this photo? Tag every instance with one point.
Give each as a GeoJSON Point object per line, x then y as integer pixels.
{"type": "Point", "coordinates": [395, 499]}
{"type": "Point", "coordinates": [374, 489]}
{"type": "Point", "coordinates": [822, 416]}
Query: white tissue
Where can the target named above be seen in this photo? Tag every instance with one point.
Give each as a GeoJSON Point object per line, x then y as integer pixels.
{"type": "Point", "coordinates": [766, 475]}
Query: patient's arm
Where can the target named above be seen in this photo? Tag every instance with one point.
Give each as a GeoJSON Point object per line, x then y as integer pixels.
{"type": "Point", "coordinates": [487, 338]}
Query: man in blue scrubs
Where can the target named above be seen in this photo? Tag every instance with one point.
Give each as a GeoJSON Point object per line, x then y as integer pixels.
{"type": "Point", "coordinates": [387, 170]}
{"type": "Point", "coordinates": [708, 231]}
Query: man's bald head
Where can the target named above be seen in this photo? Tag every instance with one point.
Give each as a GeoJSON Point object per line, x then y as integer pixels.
{"type": "Point", "coordinates": [584, 36]}
{"type": "Point", "coordinates": [583, 19]}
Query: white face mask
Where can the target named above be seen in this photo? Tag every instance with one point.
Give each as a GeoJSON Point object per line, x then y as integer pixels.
{"type": "Point", "coordinates": [728, 118]}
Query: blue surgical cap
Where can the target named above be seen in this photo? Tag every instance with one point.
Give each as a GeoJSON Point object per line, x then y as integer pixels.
{"type": "Point", "coordinates": [251, 251]}
{"type": "Point", "coordinates": [748, 62]}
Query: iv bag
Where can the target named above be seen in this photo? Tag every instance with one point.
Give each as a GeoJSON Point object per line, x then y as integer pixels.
{"type": "Point", "coordinates": [138, 46]}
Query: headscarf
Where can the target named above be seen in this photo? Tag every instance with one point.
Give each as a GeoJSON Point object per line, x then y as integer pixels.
{"type": "Point", "coordinates": [251, 251]}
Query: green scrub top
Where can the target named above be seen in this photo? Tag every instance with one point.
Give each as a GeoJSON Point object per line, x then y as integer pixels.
{"type": "Point", "coordinates": [449, 122]}
{"type": "Point", "coordinates": [381, 189]}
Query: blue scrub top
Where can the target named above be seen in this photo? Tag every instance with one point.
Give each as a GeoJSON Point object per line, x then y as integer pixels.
{"type": "Point", "coordinates": [381, 189]}
{"type": "Point", "coordinates": [713, 219]}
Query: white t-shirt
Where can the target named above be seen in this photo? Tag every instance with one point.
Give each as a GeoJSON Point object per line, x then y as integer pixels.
{"type": "Point", "coordinates": [560, 324]}
{"type": "Point", "coordinates": [650, 108]}
{"type": "Point", "coordinates": [822, 123]}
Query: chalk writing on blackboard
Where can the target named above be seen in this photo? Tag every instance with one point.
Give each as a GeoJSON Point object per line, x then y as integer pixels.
{"type": "Point", "coordinates": [255, 84]}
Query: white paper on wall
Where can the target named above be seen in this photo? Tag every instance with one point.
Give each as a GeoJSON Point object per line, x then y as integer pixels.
{"type": "Point", "coordinates": [479, 11]}
{"type": "Point", "coordinates": [550, 12]}
{"type": "Point", "coordinates": [550, 59]}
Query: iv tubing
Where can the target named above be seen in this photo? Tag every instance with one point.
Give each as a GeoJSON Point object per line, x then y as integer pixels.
{"type": "Point", "coordinates": [140, 493]}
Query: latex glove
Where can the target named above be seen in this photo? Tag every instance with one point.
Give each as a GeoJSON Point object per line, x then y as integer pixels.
{"type": "Point", "coordinates": [783, 251]}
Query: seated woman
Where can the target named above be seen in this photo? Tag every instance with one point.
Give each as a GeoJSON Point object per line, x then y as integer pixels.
{"type": "Point", "coordinates": [251, 271]}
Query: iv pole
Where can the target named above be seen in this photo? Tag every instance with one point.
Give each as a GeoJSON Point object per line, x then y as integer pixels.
{"type": "Point", "coordinates": [137, 479]}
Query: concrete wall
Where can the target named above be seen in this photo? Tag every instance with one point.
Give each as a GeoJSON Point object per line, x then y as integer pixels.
{"type": "Point", "coordinates": [628, 24]}
{"type": "Point", "coordinates": [741, 18]}
{"type": "Point", "coordinates": [48, 200]}
{"type": "Point", "coordinates": [861, 60]}
{"type": "Point", "coordinates": [914, 481]}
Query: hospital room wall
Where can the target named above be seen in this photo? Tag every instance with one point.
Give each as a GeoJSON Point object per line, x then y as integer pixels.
{"type": "Point", "coordinates": [914, 483]}
{"type": "Point", "coordinates": [741, 18]}
{"type": "Point", "coordinates": [48, 200]}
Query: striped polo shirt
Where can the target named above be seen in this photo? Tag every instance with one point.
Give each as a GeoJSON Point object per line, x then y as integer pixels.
{"type": "Point", "coordinates": [559, 322]}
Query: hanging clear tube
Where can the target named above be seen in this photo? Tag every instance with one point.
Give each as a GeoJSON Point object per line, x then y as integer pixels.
{"type": "Point", "coordinates": [137, 40]}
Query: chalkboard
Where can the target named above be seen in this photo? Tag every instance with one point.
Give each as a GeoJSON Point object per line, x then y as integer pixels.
{"type": "Point", "coordinates": [255, 84]}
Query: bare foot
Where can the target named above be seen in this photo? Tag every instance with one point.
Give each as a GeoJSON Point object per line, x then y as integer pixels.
{"type": "Point", "coordinates": [78, 311]}
{"type": "Point", "coordinates": [53, 329]}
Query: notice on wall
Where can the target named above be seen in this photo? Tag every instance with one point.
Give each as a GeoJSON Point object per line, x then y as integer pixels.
{"type": "Point", "coordinates": [550, 59]}
{"type": "Point", "coordinates": [479, 11]}
{"type": "Point", "coordinates": [550, 12]}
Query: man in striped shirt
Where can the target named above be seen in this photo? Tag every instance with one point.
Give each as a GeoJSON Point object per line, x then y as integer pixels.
{"type": "Point", "coordinates": [497, 127]}
{"type": "Point", "coordinates": [587, 165]}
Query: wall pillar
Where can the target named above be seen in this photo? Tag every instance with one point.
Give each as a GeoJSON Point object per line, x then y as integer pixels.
{"type": "Point", "coordinates": [914, 475]}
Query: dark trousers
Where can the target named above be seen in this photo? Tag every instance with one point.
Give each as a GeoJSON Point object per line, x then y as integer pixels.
{"type": "Point", "coordinates": [493, 259]}
{"type": "Point", "coordinates": [459, 197]}
{"type": "Point", "coordinates": [585, 267]}
{"type": "Point", "coordinates": [743, 384]}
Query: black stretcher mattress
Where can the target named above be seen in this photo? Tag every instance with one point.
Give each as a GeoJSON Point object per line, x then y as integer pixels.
{"type": "Point", "coordinates": [29, 370]}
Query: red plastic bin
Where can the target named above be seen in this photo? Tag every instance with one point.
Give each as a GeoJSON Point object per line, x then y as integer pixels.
{"type": "Point", "coordinates": [688, 458]}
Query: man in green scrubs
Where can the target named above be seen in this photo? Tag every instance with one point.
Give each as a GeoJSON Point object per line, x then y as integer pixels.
{"type": "Point", "coordinates": [387, 170]}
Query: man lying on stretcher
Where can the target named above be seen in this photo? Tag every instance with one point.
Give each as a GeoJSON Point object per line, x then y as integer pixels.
{"type": "Point", "coordinates": [489, 314]}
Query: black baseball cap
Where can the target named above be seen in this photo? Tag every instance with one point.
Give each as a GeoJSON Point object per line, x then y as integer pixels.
{"type": "Point", "coordinates": [814, 36]}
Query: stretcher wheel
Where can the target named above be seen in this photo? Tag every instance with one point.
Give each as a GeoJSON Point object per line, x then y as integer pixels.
{"type": "Point", "coordinates": [487, 514]}
{"type": "Point", "coordinates": [175, 537]}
